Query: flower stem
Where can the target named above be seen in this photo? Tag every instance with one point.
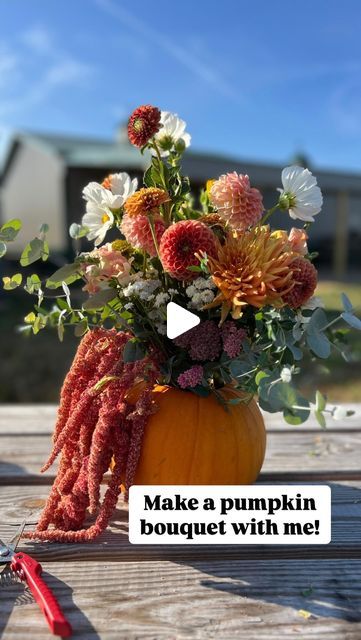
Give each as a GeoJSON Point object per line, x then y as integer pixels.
{"type": "Point", "coordinates": [152, 229]}
{"type": "Point", "coordinates": [164, 183]}
{"type": "Point", "coordinates": [268, 213]}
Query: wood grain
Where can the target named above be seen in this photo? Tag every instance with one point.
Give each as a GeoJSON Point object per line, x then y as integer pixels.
{"type": "Point", "coordinates": [112, 590]}
{"type": "Point", "coordinates": [17, 503]}
{"type": "Point", "coordinates": [22, 456]}
{"type": "Point", "coordinates": [201, 600]}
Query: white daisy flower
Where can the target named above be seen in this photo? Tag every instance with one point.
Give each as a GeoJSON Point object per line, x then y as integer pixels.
{"type": "Point", "coordinates": [98, 219]}
{"type": "Point", "coordinates": [172, 131]}
{"type": "Point", "coordinates": [300, 194]}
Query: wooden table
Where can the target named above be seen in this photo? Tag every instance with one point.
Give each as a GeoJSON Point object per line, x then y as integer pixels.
{"type": "Point", "coordinates": [113, 590]}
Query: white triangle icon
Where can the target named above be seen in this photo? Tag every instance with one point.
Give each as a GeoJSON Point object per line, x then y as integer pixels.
{"type": "Point", "coordinates": [179, 320]}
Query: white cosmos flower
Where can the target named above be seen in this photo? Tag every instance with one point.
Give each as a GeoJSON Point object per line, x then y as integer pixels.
{"type": "Point", "coordinates": [121, 187]}
{"type": "Point", "coordinates": [300, 194]}
{"type": "Point", "coordinates": [172, 131]}
{"type": "Point", "coordinates": [98, 219]}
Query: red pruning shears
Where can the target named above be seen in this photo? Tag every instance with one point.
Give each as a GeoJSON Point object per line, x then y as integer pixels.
{"type": "Point", "coordinates": [29, 571]}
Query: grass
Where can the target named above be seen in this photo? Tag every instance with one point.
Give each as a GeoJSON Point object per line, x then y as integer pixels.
{"type": "Point", "coordinates": [338, 379]}
{"type": "Point", "coordinates": [330, 292]}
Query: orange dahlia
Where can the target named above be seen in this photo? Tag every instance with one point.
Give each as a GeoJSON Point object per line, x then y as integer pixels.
{"type": "Point", "coordinates": [143, 124]}
{"type": "Point", "coordinates": [252, 268]}
{"type": "Point", "coordinates": [145, 201]}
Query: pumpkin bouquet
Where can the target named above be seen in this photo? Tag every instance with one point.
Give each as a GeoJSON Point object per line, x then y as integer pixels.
{"type": "Point", "coordinates": [174, 411]}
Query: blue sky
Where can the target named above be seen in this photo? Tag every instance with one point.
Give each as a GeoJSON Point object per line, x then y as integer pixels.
{"type": "Point", "coordinates": [258, 80]}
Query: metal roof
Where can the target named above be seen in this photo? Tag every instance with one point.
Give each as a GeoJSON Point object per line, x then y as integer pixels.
{"type": "Point", "coordinates": [87, 152]}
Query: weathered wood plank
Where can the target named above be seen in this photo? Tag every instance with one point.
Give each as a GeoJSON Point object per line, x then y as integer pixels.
{"type": "Point", "coordinates": [22, 456]}
{"type": "Point", "coordinates": [201, 600]}
{"type": "Point", "coordinates": [40, 419]}
{"type": "Point", "coordinates": [17, 503]}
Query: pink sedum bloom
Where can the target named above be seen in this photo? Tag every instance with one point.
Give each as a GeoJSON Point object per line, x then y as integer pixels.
{"type": "Point", "coordinates": [236, 201]}
{"type": "Point", "coordinates": [110, 264]}
{"type": "Point", "coordinates": [298, 241]}
{"type": "Point", "coordinates": [191, 377]}
{"type": "Point", "coordinates": [232, 337]}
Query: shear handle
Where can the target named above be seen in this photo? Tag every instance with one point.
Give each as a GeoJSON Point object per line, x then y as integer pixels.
{"type": "Point", "coordinates": [30, 571]}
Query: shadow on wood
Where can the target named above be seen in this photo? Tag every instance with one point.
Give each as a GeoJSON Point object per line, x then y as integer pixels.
{"type": "Point", "coordinates": [14, 593]}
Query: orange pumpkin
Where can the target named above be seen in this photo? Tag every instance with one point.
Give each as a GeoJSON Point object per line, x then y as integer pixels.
{"type": "Point", "coordinates": [194, 440]}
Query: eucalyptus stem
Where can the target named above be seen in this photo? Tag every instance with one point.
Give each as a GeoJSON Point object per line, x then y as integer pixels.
{"type": "Point", "coordinates": [330, 324]}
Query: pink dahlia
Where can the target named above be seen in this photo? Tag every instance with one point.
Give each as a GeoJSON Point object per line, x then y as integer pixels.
{"type": "Point", "coordinates": [203, 342]}
{"type": "Point", "coordinates": [105, 263]}
{"type": "Point", "coordinates": [137, 232]}
{"type": "Point", "coordinates": [232, 337]}
{"type": "Point", "coordinates": [236, 201]}
{"type": "Point", "coordinates": [298, 241]}
{"type": "Point", "coordinates": [191, 377]}
{"type": "Point", "coordinates": [179, 244]}
{"type": "Point", "coordinates": [143, 124]}
{"type": "Point", "coordinates": [305, 277]}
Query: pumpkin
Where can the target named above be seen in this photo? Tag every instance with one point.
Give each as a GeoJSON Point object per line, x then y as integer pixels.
{"type": "Point", "coordinates": [194, 440]}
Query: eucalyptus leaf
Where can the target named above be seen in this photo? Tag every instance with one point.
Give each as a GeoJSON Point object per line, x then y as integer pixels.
{"type": "Point", "coordinates": [319, 344]}
{"type": "Point", "coordinates": [81, 328]}
{"type": "Point", "coordinates": [320, 419]}
{"type": "Point", "coordinates": [351, 320]}
{"type": "Point", "coordinates": [10, 230]}
{"type": "Point", "coordinates": [77, 231]}
{"type": "Point", "coordinates": [317, 321]}
{"type": "Point", "coordinates": [100, 299]}
{"type": "Point", "coordinates": [33, 251]}
{"type": "Point", "coordinates": [33, 283]}
{"type": "Point", "coordinates": [67, 274]}
{"type": "Point", "coordinates": [320, 401]}
{"type": "Point", "coordinates": [346, 303]}
{"type": "Point", "coordinates": [133, 351]}
{"type": "Point", "coordinates": [13, 282]}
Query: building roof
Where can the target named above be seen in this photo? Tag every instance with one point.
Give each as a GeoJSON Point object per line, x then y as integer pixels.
{"type": "Point", "coordinates": [98, 153]}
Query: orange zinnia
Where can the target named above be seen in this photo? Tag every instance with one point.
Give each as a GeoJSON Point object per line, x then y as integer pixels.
{"type": "Point", "coordinates": [145, 201]}
{"type": "Point", "coordinates": [251, 268]}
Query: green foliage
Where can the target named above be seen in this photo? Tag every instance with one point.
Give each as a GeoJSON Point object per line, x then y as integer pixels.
{"type": "Point", "coordinates": [35, 250]}
{"type": "Point", "coordinates": [8, 233]}
{"type": "Point", "coordinates": [133, 351]}
{"type": "Point", "coordinates": [13, 282]}
{"type": "Point", "coordinates": [68, 274]}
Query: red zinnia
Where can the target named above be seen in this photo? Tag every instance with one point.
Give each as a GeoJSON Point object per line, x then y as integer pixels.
{"type": "Point", "coordinates": [179, 244]}
{"type": "Point", "coordinates": [143, 124]}
{"type": "Point", "coordinates": [305, 276]}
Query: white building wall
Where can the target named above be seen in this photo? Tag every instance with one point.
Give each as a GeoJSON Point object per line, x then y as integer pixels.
{"type": "Point", "coordinates": [34, 191]}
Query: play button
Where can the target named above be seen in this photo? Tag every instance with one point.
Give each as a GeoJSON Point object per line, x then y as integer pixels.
{"type": "Point", "coordinates": [179, 320]}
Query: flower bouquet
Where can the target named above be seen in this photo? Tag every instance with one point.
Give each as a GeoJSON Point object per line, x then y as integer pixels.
{"type": "Point", "coordinates": [157, 410]}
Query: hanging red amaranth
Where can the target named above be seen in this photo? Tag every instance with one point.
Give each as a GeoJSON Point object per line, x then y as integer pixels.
{"type": "Point", "coordinates": [95, 425]}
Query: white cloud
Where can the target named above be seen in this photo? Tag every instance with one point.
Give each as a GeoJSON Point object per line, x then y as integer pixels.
{"type": "Point", "coordinates": [38, 39]}
{"type": "Point", "coordinates": [188, 59]}
{"type": "Point", "coordinates": [58, 68]}
{"type": "Point", "coordinates": [8, 66]}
